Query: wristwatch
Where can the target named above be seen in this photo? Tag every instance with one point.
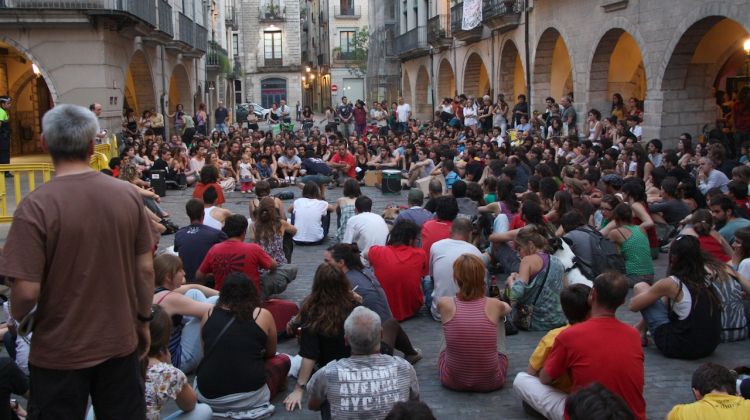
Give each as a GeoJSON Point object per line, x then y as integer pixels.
{"type": "Point", "coordinates": [303, 386]}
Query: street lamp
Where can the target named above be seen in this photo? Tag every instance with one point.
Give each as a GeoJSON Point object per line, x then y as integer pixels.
{"type": "Point", "coordinates": [308, 69]}
{"type": "Point", "coordinates": [746, 46]}
{"type": "Point", "coordinates": [35, 70]}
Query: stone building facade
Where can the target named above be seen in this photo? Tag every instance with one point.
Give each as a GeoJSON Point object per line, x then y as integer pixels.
{"type": "Point", "coordinates": [270, 51]}
{"type": "Point", "coordinates": [346, 18]}
{"type": "Point", "coordinates": [670, 54]}
{"type": "Point", "coordinates": [139, 54]}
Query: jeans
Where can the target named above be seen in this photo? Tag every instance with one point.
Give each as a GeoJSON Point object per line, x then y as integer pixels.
{"type": "Point", "coordinates": [656, 315]}
{"type": "Point", "coordinates": [190, 341]}
{"type": "Point", "coordinates": [427, 287]}
{"type": "Point", "coordinates": [318, 179]}
{"type": "Point", "coordinates": [222, 127]}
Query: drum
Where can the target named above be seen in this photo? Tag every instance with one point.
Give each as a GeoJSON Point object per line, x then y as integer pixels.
{"type": "Point", "coordinates": [391, 182]}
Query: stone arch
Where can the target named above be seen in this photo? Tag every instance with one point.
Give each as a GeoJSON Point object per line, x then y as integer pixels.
{"type": "Point", "coordinates": [692, 68]}
{"type": "Point", "coordinates": [512, 75]}
{"type": "Point", "coordinates": [179, 89]}
{"type": "Point", "coordinates": [422, 103]}
{"type": "Point", "coordinates": [139, 84]}
{"type": "Point", "coordinates": [616, 67]}
{"type": "Point", "coordinates": [552, 70]}
{"type": "Point", "coordinates": [476, 79]}
{"type": "Point", "coordinates": [44, 73]}
{"type": "Point", "coordinates": [446, 80]}
{"type": "Point", "coordinates": [406, 88]}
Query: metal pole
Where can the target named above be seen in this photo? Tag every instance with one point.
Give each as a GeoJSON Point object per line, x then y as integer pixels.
{"type": "Point", "coordinates": [432, 84]}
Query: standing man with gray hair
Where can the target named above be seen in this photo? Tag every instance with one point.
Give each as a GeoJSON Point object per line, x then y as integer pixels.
{"type": "Point", "coordinates": [367, 384]}
{"type": "Point", "coordinates": [91, 304]}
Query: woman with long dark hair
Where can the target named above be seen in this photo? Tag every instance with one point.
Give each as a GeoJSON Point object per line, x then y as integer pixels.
{"type": "Point", "coordinates": [320, 324]}
{"type": "Point", "coordinates": [618, 107]}
{"type": "Point", "coordinates": [240, 368]}
{"type": "Point", "coordinates": [682, 311]}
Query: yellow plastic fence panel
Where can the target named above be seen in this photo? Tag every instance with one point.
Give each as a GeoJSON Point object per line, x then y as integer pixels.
{"type": "Point", "coordinates": [104, 149]}
{"type": "Point", "coordinates": [98, 161]}
{"type": "Point", "coordinates": [30, 170]}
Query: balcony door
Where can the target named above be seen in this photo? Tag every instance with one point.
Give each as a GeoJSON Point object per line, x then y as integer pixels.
{"type": "Point", "coordinates": [272, 90]}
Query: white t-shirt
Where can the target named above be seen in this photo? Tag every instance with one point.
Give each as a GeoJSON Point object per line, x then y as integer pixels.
{"type": "Point", "coordinates": [744, 268]}
{"type": "Point", "coordinates": [636, 130]}
{"type": "Point", "coordinates": [365, 229]}
{"type": "Point", "coordinates": [246, 170]}
{"type": "Point", "coordinates": [403, 112]}
{"type": "Point", "coordinates": [308, 213]}
{"type": "Point", "coordinates": [442, 256]}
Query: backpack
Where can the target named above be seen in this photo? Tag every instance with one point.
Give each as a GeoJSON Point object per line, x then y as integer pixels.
{"type": "Point", "coordinates": [606, 255]}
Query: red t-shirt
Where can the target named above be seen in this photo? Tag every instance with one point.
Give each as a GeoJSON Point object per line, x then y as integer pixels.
{"type": "Point", "coordinates": [400, 270]}
{"type": "Point", "coordinates": [602, 350]}
{"type": "Point", "coordinates": [230, 256]}
{"type": "Point", "coordinates": [200, 188]}
{"type": "Point", "coordinates": [349, 160]}
{"type": "Point", "coordinates": [433, 231]}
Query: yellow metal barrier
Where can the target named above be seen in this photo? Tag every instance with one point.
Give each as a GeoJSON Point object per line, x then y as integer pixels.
{"type": "Point", "coordinates": [18, 169]}
{"type": "Point", "coordinates": [103, 153]}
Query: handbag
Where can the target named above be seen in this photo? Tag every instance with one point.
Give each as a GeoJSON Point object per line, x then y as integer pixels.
{"type": "Point", "coordinates": [523, 313]}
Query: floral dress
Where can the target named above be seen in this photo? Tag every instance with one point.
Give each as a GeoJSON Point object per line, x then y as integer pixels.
{"type": "Point", "coordinates": [347, 211]}
{"type": "Point", "coordinates": [163, 382]}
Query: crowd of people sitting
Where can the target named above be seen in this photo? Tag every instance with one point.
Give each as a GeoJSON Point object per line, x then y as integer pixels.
{"type": "Point", "coordinates": [515, 221]}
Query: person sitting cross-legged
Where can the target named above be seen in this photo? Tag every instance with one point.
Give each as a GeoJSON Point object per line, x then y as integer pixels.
{"type": "Point", "coordinates": [547, 400]}
{"type": "Point", "coordinates": [388, 379]}
{"type": "Point", "coordinates": [474, 332]}
{"type": "Point", "coordinates": [601, 349]}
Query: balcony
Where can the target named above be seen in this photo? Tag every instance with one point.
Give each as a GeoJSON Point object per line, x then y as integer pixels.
{"type": "Point", "coordinates": [186, 34]}
{"type": "Point", "coordinates": [271, 12]}
{"type": "Point", "coordinates": [412, 43]}
{"type": "Point", "coordinates": [351, 12]}
{"type": "Point", "coordinates": [48, 11]}
{"type": "Point", "coordinates": [501, 15]}
{"type": "Point", "coordinates": [457, 16]}
{"type": "Point", "coordinates": [201, 38]}
{"type": "Point", "coordinates": [274, 65]}
{"type": "Point", "coordinates": [439, 31]}
{"type": "Point", "coordinates": [230, 17]}
{"type": "Point", "coordinates": [166, 24]}
{"type": "Point", "coordinates": [344, 56]}
{"type": "Point", "coordinates": [216, 57]}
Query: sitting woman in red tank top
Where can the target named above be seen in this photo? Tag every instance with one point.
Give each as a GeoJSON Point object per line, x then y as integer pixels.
{"type": "Point", "coordinates": [474, 332]}
{"type": "Point", "coordinates": [710, 240]}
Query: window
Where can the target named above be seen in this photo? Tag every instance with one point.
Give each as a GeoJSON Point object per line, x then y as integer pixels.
{"type": "Point", "coordinates": [346, 44]}
{"type": "Point", "coordinates": [238, 91]}
{"type": "Point", "coordinates": [272, 48]}
{"type": "Point", "coordinates": [272, 91]}
{"type": "Point", "coordinates": [347, 7]}
{"type": "Point", "coordinates": [236, 44]}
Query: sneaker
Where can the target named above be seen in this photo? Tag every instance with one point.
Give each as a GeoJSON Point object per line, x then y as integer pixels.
{"type": "Point", "coordinates": [414, 358]}
{"type": "Point", "coordinates": [287, 180]}
{"type": "Point", "coordinates": [294, 180]}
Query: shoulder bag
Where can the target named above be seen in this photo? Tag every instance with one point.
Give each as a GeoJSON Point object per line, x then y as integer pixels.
{"type": "Point", "coordinates": [524, 312]}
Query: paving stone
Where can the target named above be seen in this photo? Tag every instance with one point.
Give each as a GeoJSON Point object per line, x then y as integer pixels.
{"type": "Point", "coordinates": [667, 380]}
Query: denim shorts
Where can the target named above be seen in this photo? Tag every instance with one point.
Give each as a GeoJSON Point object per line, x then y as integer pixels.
{"type": "Point", "coordinates": [656, 315]}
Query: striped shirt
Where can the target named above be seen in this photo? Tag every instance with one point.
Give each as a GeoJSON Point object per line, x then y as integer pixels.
{"type": "Point", "coordinates": [470, 361]}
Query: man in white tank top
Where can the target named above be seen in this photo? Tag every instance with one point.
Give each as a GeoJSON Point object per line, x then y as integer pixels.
{"type": "Point", "coordinates": [213, 215]}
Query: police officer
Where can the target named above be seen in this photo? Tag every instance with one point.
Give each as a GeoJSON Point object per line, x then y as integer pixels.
{"type": "Point", "coordinates": [5, 132]}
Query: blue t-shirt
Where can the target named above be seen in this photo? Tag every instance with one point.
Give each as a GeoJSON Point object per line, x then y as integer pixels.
{"type": "Point", "coordinates": [192, 243]}
{"type": "Point", "coordinates": [315, 166]}
{"type": "Point", "coordinates": [451, 178]}
{"type": "Point", "coordinates": [417, 215]}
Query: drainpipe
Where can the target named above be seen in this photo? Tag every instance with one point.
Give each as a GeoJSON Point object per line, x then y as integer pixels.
{"type": "Point", "coordinates": [164, 94]}
{"type": "Point", "coordinates": [528, 54]}
{"type": "Point", "coordinates": [432, 84]}
{"type": "Point", "coordinates": [492, 67]}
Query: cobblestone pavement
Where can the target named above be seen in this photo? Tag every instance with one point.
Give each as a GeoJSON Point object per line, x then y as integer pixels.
{"type": "Point", "coordinates": [667, 380]}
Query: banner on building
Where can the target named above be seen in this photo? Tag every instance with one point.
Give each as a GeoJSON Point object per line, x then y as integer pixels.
{"type": "Point", "coordinates": [472, 14]}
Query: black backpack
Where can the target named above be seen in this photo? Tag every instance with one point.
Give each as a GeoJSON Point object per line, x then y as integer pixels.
{"type": "Point", "coordinates": [606, 255]}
